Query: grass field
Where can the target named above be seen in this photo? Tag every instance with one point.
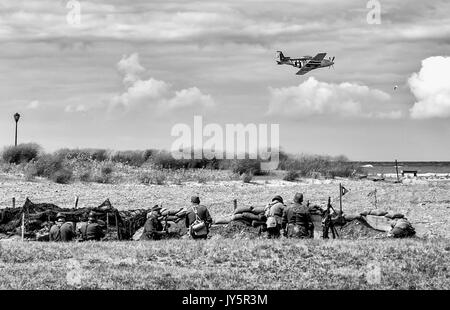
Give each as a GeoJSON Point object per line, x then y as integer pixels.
{"type": "Point", "coordinates": [227, 264]}
{"type": "Point", "coordinates": [221, 263]}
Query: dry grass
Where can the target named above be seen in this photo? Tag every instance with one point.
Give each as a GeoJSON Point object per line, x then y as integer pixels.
{"type": "Point", "coordinates": [227, 264]}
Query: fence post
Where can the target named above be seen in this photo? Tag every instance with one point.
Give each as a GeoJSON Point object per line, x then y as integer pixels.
{"type": "Point", "coordinates": [76, 202]}
{"type": "Point", "coordinates": [14, 202]}
{"type": "Point", "coordinates": [235, 204]}
{"type": "Point", "coordinates": [23, 226]}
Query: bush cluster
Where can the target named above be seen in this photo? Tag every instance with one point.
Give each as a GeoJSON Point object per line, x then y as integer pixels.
{"type": "Point", "coordinates": [22, 153]}
{"type": "Point", "coordinates": [51, 166]}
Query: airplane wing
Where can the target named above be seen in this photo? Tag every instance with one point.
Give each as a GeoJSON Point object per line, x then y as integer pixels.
{"type": "Point", "coordinates": [312, 64]}
{"type": "Point", "coordinates": [318, 58]}
{"type": "Point", "coordinates": [304, 70]}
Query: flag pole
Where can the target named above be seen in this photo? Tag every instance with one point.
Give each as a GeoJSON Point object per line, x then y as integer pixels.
{"type": "Point", "coordinates": [340, 197]}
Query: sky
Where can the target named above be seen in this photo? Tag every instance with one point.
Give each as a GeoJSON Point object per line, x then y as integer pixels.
{"type": "Point", "coordinates": [126, 72]}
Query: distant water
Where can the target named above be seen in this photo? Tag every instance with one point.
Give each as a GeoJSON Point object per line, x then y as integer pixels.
{"type": "Point", "coordinates": [421, 167]}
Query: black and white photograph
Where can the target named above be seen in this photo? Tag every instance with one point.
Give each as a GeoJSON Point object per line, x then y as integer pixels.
{"type": "Point", "coordinates": [224, 146]}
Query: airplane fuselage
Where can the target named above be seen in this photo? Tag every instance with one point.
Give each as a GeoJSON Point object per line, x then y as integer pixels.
{"type": "Point", "coordinates": [300, 62]}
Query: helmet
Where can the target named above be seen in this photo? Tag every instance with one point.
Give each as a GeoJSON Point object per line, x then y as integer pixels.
{"type": "Point", "coordinates": [277, 198]}
{"type": "Point", "coordinates": [195, 199]}
{"type": "Point", "coordinates": [298, 198]}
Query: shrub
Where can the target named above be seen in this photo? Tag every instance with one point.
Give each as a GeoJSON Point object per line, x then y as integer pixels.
{"type": "Point", "coordinates": [157, 177]}
{"type": "Point", "coordinates": [246, 177]}
{"type": "Point", "coordinates": [83, 154]}
{"type": "Point", "coordinates": [86, 175]}
{"type": "Point", "coordinates": [105, 174]}
{"type": "Point", "coordinates": [164, 160]}
{"type": "Point", "coordinates": [62, 176]}
{"type": "Point", "coordinates": [21, 153]}
{"type": "Point", "coordinates": [315, 165]}
{"type": "Point", "coordinates": [30, 171]}
{"type": "Point", "coordinates": [47, 164]}
{"type": "Point", "coordinates": [202, 179]}
{"type": "Point", "coordinates": [291, 175]}
{"type": "Point", "coordinates": [249, 166]}
{"type": "Point", "coordinates": [132, 158]}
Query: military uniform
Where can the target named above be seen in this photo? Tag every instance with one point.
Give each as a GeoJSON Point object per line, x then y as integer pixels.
{"type": "Point", "coordinates": [202, 213]}
{"type": "Point", "coordinates": [91, 230]}
{"type": "Point", "coordinates": [297, 220]}
{"type": "Point", "coordinates": [275, 209]}
{"type": "Point", "coordinates": [61, 231]}
{"type": "Point", "coordinates": [153, 228]}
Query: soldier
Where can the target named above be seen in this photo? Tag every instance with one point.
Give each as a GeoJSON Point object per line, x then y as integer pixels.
{"type": "Point", "coordinates": [91, 230]}
{"type": "Point", "coordinates": [62, 230]}
{"type": "Point", "coordinates": [153, 228]}
{"type": "Point", "coordinates": [198, 219]}
{"type": "Point", "coordinates": [297, 221]}
{"type": "Point", "coordinates": [274, 213]}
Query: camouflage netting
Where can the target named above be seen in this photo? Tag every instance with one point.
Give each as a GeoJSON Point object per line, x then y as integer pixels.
{"type": "Point", "coordinates": [120, 225]}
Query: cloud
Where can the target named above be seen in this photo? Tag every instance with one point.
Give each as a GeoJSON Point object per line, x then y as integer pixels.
{"type": "Point", "coordinates": [141, 93]}
{"type": "Point", "coordinates": [77, 108]}
{"type": "Point", "coordinates": [431, 88]}
{"type": "Point", "coordinates": [130, 67]}
{"type": "Point", "coordinates": [33, 105]}
{"type": "Point", "coordinates": [313, 97]}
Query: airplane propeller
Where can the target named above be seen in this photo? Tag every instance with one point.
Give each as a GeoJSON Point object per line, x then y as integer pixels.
{"type": "Point", "coordinates": [332, 60]}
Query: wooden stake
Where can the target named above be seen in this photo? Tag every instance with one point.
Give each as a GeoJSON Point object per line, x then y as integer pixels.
{"type": "Point", "coordinates": [340, 197]}
{"type": "Point", "coordinates": [235, 204]}
{"type": "Point", "coordinates": [375, 198]}
{"type": "Point", "coordinates": [76, 202]}
{"type": "Point", "coordinates": [117, 226]}
{"type": "Point", "coordinates": [14, 202]}
{"type": "Point", "coordinates": [396, 169]}
{"type": "Point", "coordinates": [23, 226]}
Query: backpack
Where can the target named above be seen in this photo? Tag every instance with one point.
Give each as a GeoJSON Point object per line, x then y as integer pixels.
{"type": "Point", "coordinates": [198, 228]}
{"type": "Point", "coordinates": [271, 221]}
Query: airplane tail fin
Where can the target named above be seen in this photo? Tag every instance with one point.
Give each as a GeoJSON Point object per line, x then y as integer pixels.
{"type": "Point", "coordinates": [279, 57]}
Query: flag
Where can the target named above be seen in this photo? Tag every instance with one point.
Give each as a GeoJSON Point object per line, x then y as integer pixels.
{"type": "Point", "coordinates": [344, 190]}
{"type": "Point", "coordinates": [372, 193]}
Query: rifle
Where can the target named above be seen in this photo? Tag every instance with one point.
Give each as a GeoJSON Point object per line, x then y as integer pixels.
{"type": "Point", "coordinates": [328, 221]}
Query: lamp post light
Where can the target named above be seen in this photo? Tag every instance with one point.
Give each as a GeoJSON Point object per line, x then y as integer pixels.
{"type": "Point", "coordinates": [16, 118]}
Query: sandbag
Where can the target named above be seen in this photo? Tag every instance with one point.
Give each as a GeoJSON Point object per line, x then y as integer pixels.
{"type": "Point", "coordinates": [351, 217]}
{"type": "Point", "coordinates": [164, 212]}
{"type": "Point", "coordinates": [241, 218]}
{"type": "Point", "coordinates": [224, 220]}
{"type": "Point", "coordinates": [378, 212]}
{"type": "Point", "coordinates": [243, 209]}
{"type": "Point", "coordinates": [258, 209]}
{"type": "Point", "coordinates": [181, 213]}
{"type": "Point", "coordinates": [137, 235]}
{"type": "Point", "coordinates": [250, 216]}
{"type": "Point", "coordinates": [174, 212]}
{"type": "Point", "coordinates": [258, 223]}
{"type": "Point", "coordinates": [172, 218]}
{"type": "Point", "coordinates": [394, 216]}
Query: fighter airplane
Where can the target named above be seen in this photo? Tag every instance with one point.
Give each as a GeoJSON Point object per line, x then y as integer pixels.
{"type": "Point", "coordinates": [305, 63]}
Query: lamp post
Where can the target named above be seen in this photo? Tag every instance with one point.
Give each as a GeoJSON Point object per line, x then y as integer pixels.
{"type": "Point", "coordinates": [16, 118]}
